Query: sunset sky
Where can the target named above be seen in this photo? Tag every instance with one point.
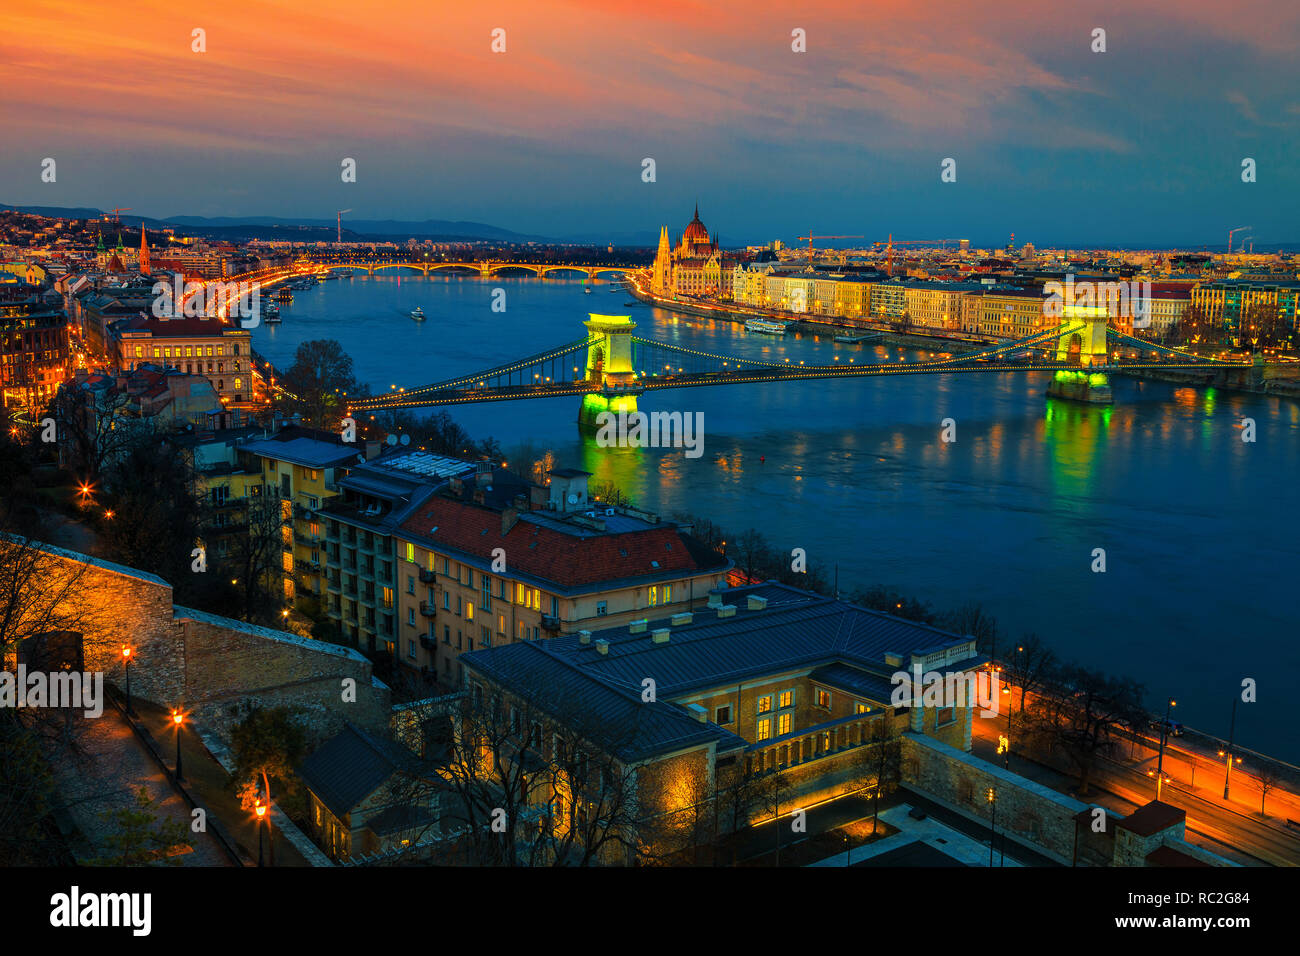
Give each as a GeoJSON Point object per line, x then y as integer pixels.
{"type": "Point", "coordinates": [1140, 144]}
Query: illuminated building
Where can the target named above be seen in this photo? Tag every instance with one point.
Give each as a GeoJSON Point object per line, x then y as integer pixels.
{"type": "Point", "coordinates": [695, 267]}
{"type": "Point", "coordinates": [34, 349]}
{"type": "Point", "coordinates": [195, 345]}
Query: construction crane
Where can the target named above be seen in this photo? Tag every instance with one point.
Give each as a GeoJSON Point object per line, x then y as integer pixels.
{"type": "Point", "coordinates": [1231, 231]}
{"type": "Point", "coordinates": [810, 237]}
{"type": "Point", "coordinates": [117, 210]}
{"type": "Point", "coordinates": [890, 243]}
{"type": "Point", "coordinates": [340, 224]}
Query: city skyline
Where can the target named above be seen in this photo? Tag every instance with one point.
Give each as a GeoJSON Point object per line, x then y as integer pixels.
{"type": "Point", "coordinates": [548, 138]}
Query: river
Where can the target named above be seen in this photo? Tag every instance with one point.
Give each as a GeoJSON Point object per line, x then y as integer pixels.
{"type": "Point", "coordinates": [1199, 528]}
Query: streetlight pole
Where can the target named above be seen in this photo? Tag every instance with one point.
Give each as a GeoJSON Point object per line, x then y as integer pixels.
{"type": "Point", "coordinates": [126, 658]}
{"type": "Point", "coordinates": [261, 814]}
{"type": "Point", "coordinates": [992, 796]}
{"type": "Point", "coordinates": [178, 719]}
{"type": "Point", "coordinates": [1232, 732]}
{"type": "Point", "coordinates": [1164, 734]}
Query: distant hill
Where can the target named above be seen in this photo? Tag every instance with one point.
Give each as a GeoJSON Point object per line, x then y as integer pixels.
{"type": "Point", "coordinates": [306, 229]}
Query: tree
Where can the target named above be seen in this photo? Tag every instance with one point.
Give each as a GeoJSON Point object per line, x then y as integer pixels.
{"type": "Point", "coordinates": [26, 797]}
{"type": "Point", "coordinates": [140, 837]}
{"type": "Point", "coordinates": [972, 620]}
{"type": "Point", "coordinates": [879, 598]}
{"type": "Point", "coordinates": [881, 763]}
{"type": "Point", "coordinates": [1031, 664]}
{"type": "Point", "coordinates": [159, 515]}
{"type": "Point", "coordinates": [95, 428]}
{"type": "Point", "coordinates": [1265, 780]}
{"type": "Point", "coordinates": [268, 744]}
{"type": "Point", "coordinates": [320, 375]}
{"type": "Point", "coordinates": [608, 493]}
{"type": "Point", "coordinates": [752, 552]}
{"type": "Point", "coordinates": [255, 558]}
{"type": "Point", "coordinates": [1078, 713]}
{"type": "Point", "coordinates": [741, 795]}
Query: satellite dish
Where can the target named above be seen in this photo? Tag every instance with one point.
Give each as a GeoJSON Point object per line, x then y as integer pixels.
{"type": "Point", "coordinates": [406, 439]}
{"type": "Point", "coordinates": [573, 499]}
{"type": "Point", "coordinates": [392, 439]}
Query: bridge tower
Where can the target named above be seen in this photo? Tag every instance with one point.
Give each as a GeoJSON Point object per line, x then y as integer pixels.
{"type": "Point", "coordinates": [1082, 385]}
{"type": "Point", "coordinates": [609, 363]}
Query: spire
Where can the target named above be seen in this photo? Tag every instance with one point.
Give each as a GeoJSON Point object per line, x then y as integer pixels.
{"type": "Point", "coordinates": [144, 250]}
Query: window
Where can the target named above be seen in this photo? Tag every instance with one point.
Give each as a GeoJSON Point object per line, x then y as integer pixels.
{"type": "Point", "coordinates": [487, 593]}
{"type": "Point", "coordinates": [823, 698]}
{"type": "Point", "coordinates": [410, 584]}
{"type": "Point", "coordinates": [602, 608]}
{"type": "Point", "coordinates": [446, 601]}
{"type": "Point", "coordinates": [555, 607]}
{"type": "Point", "coordinates": [782, 725]}
{"type": "Point", "coordinates": [486, 636]}
{"type": "Point", "coordinates": [410, 616]}
{"type": "Point", "coordinates": [458, 607]}
{"type": "Point", "coordinates": [469, 610]}
{"type": "Point", "coordinates": [724, 714]}
{"type": "Point", "coordinates": [765, 704]}
{"type": "Point", "coordinates": [446, 634]}
{"type": "Point", "coordinates": [860, 708]}
{"type": "Point", "coordinates": [410, 649]}
{"type": "Point", "coordinates": [764, 731]}
{"type": "Point", "coordinates": [945, 716]}
{"type": "Point", "coordinates": [786, 699]}
{"type": "Point", "coordinates": [388, 597]}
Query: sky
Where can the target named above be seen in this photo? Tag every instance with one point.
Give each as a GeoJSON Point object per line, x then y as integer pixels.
{"type": "Point", "coordinates": [1139, 145]}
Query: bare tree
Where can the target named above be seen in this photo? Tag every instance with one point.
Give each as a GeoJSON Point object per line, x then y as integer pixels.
{"type": "Point", "coordinates": [1265, 780]}
{"type": "Point", "coordinates": [880, 763]}
{"type": "Point", "coordinates": [95, 428]}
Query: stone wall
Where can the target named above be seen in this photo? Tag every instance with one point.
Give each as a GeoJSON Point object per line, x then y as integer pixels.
{"type": "Point", "coordinates": [207, 664]}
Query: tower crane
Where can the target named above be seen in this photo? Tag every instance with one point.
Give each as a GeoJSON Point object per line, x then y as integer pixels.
{"type": "Point", "coordinates": [890, 243]}
{"type": "Point", "coordinates": [116, 211]}
{"type": "Point", "coordinates": [340, 225]}
{"type": "Point", "coordinates": [810, 237]}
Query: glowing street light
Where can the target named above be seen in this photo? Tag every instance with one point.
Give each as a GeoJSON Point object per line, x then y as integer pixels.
{"type": "Point", "coordinates": [179, 720]}
{"type": "Point", "coordinates": [260, 810]}
{"type": "Point", "coordinates": [126, 663]}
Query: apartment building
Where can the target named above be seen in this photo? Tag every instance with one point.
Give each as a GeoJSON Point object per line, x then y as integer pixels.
{"type": "Point", "coordinates": [492, 561]}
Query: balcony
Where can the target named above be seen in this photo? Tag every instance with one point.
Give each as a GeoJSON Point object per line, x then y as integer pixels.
{"type": "Point", "coordinates": [550, 623]}
{"type": "Point", "coordinates": [303, 513]}
{"type": "Point", "coordinates": [307, 540]}
{"type": "Point", "coordinates": [427, 576]}
{"type": "Point", "coordinates": [427, 642]}
{"type": "Point", "coordinates": [427, 609]}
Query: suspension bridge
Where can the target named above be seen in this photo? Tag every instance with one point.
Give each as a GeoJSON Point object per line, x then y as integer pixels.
{"type": "Point", "coordinates": [610, 366]}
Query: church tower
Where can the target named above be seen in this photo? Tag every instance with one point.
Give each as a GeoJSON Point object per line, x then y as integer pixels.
{"type": "Point", "coordinates": [144, 251]}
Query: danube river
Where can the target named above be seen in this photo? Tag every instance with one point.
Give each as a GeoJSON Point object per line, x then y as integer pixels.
{"type": "Point", "coordinates": [1200, 529]}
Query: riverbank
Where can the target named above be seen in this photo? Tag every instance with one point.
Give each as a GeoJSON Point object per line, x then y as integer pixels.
{"type": "Point", "coordinates": [1275, 381]}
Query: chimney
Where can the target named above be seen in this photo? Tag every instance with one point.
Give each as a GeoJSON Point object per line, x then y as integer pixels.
{"type": "Point", "coordinates": [893, 659]}
{"type": "Point", "coordinates": [602, 646]}
{"type": "Point", "coordinates": [584, 637]}
{"type": "Point", "coordinates": [685, 617]}
{"type": "Point", "coordinates": [480, 496]}
{"type": "Point", "coordinates": [638, 627]}
{"type": "Point", "coordinates": [509, 518]}
{"type": "Point", "coordinates": [457, 487]}
{"type": "Point", "coordinates": [715, 599]}
{"type": "Point", "coordinates": [698, 712]}
{"type": "Point", "coordinates": [659, 635]}
{"type": "Point", "coordinates": [483, 474]}
{"type": "Point", "coordinates": [757, 603]}
{"type": "Point", "coordinates": [727, 610]}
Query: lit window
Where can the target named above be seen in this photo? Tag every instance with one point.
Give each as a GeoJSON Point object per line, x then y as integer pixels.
{"type": "Point", "coordinates": [765, 704]}
{"type": "Point", "coordinates": [786, 699]}
{"type": "Point", "coordinates": [783, 725]}
{"type": "Point", "coordinates": [764, 729]}
{"type": "Point", "coordinates": [823, 698]}
{"type": "Point", "coordinates": [469, 610]}
{"type": "Point", "coordinates": [410, 552]}
{"type": "Point", "coordinates": [861, 708]}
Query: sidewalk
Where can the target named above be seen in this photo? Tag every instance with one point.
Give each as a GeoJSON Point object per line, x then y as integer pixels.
{"type": "Point", "coordinates": [207, 778]}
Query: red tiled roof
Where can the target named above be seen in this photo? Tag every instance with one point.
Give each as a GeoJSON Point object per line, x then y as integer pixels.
{"type": "Point", "coordinates": [191, 325]}
{"type": "Point", "coordinates": [568, 560]}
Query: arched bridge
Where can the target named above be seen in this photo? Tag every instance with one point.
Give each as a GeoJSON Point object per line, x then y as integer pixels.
{"type": "Point", "coordinates": [481, 267]}
{"type": "Point", "coordinates": [610, 366]}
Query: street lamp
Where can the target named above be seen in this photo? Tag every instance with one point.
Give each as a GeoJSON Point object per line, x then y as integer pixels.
{"type": "Point", "coordinates": [992, 796]}
{"type": "Point", "coordinates": [179, 720]}
{"type": "Point", "coordinates": [126, 663]}
{"type": "Point", "coordinates": [261, 816]}
{"type": "Point", "coordinates": [1164, 735]}
{"type": "Point", "coordinates": [1232, 731]}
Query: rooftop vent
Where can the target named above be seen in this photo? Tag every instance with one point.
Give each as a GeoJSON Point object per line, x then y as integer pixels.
{"type": "Point", "coordinates": [602, 646]}
{"type": "Point", "coordinates": [638, 627]}
{"type": "Point", "coordinates": [893, 659]}
{"type": "Point", "coordinates": [715, 599]}
{"type": "Point", "coordinates": [698, 712]}
{"type": "Point", "coordinates": [677, 620]}
{"type": "Point", "coordinates": [660, 635]}
{"type": "Point", "coordinates": [757, 603]}
{"type": "Point", "coordinates": [727, 610]}
{"type": "Point", "coordinates": [584, 637]}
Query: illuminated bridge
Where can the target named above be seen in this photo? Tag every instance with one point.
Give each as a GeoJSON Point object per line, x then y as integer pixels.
{"type": "Point", "coordinates": [481, 267]}
{"type": "Point", "coordinates": [610, 366]}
